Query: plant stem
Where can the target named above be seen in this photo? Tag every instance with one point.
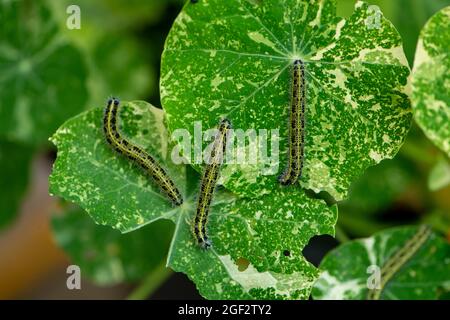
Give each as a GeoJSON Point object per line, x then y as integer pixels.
{"type": "Point", "coordinates": [151, 282]}
{"type": "Point", "coordinates": [341, 236]}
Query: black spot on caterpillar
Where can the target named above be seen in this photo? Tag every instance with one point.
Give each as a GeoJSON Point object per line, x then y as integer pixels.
{"type": "Point", "coordinates": [294, 169]}
{"type": "Point", "coordinates": [208, 184]}
{"type": "Point", "coordinates": [399, 258]}
{"type": "Point", "coordinates": [137, 154]}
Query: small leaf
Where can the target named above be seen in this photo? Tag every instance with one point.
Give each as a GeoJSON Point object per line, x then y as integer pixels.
{"type": "Point", "coordinates": [42, 79]}
{"type": "Point", "coordinates": [439, 176]}
{"type": "Point", "coordinates": [105, 255]}
{"type": "Point", "coordinates": [268, 233]}
{"type": "Point", "coordinates": [431, 80]}
{"type": "Point", "coordinates": [345, 269]}
{"type": "Point", "coordinates": [15, 163]}
{"type": "Point", "coordinates": [233, 58]}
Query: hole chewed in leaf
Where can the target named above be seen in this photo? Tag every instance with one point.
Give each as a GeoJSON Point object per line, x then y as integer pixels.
{"type": "Point", "coordinates": [317, 247]}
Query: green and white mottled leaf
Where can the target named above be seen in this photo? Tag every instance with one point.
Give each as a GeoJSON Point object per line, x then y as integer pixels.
{"type": "Point", "coordinates": [15, 163]}
{"type": "Point", "coordinates": [345, 275]}
{"type": "Point", "coordinates": [105, 255]}
{"type": "Point", "coordinates": [256, 232]}
{"type": "Point", "coordinates": [233, 58]}
{"type": "Point", "coordinates": [42, 78]}
{"type": "Point", "coordinates": [113, 190]}
{"type": "Point", "coordinates": [440, 175]}
{"type": "Point", "coordinates": [431, 80]}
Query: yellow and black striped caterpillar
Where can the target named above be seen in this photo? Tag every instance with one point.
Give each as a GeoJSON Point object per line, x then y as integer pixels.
{"type": "Point", "coordinates": [137, 154]}
{"type": "Point", "coordinates": [399, 258]}
{"type": "Point", "coordinates": [208, 184]}
{"type": "Point", "coordinates": [293, 172]}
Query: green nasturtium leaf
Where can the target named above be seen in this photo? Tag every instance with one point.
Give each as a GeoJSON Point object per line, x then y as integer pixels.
{"type": "Point", "coordinates": [379, 187]}
{"type": "Point", "coordinates": [431, 80]}
{"type": "Point", "coordinates": [42, 77]}
{"type": "Point", "coordinates": [112, 189]}
{"type": "Point", "coordinates": [345, 271]}
{"type": "Point", "coordinates": [257, 243]}
{"type": "Point", "coordinates": [234, 59]}
{"type": "Point", "coordinates": [15, 161]}
{"type": "Point", "coordinates": [105, 255]}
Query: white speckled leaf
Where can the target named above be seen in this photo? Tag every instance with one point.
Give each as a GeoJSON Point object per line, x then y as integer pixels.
{"type": "Point", "coordinates": [269, 232]}
{"type": "Point", "coordinates": [431, 80]}
{"type": "Point", "coordinates": [344, 270]}
{"type": "Point", "coordinates": [379, 187]}
{"type": "Point", "coordinates": [42, 77]}
{"type": "Point", "coordinates": [233, 58]}
{"type": "Point", "coordinates": [439, 177]}
{"type": "Point", "coordinates": [15, 161]}
{"type": "Point", "coordinates": [117, 62]}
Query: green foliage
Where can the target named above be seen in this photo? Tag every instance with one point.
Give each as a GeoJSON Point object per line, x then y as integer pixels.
{"type": "Point", "coordinates": [431, 81]}
{"type": "Point", "coordinates": [14, 163]}
{"type": "Point", "coordinates": [118, 64]}
{"type": "Point", "coordinates": [105, 255]}
{"type": "Point", "coordinates": [228, 58]}
{"type": "Point", "coordinates": [50, 73]}
{"type": "Point", "coordinates": [109, 187]}
{"type": "Point", "coordinates": [379, 187]}
{"type": "Point", "coordinates": [345, 269]}
{"type": "Point", "coordinates": [234, 58]}
{"type": "Point", "coordinates": [38, 69]}
{"type": "Point", "coordinates": [117, 194]}
{"type": "Point", "coordinates": [408, 16]}
{"type": "Point", "coordinates": [440, 175]}
{"type": "Point", "coordinates": [114, 16]}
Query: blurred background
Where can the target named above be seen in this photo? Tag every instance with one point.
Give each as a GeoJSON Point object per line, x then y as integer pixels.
{"type": "Point", "coordinates": [61, 72]}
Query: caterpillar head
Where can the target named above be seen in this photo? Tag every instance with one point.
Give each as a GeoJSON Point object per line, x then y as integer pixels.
{"type": "Point", "coordinates": [205, 244]}
{"type": "Point", "coordinates": [115, 100]}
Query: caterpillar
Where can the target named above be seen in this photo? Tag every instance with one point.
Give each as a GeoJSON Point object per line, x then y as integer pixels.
{"type": "Point", "coordinates": [137, 154]}
{"type": "Point", "coordinates": [399, 258]}
{"type": "Point", "coordinates": [294, 169]}
{"type": "Point", "coordinates": [208, 183]}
